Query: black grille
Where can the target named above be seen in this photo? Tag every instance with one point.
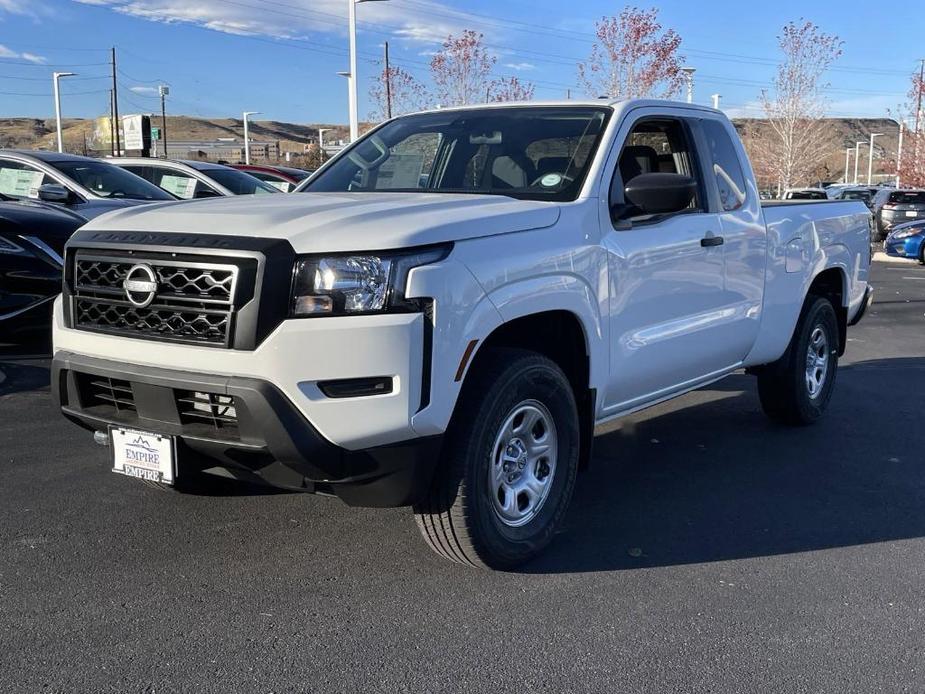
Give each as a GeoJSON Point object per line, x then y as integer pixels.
{"type": "Point", "coordinates": [112, 394]}
{"type": "Point", "coordinates": [193, 302]}
{"type": "Point", "coordinates": [211, 409]}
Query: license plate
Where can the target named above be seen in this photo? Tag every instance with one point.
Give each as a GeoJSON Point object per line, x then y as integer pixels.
{"type": "Point", "coordinates": [143, 455]}
{"type": "Point", "coordinates": [912, 213]}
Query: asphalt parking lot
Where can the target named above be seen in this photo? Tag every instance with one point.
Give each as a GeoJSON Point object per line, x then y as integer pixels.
{"type": "Point", "coordinates": [706, 550]}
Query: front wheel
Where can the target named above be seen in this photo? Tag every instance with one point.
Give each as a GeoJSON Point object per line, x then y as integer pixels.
{"type": "Point", "coordinates": [509, 464]}
{"type": "Point", "coordinates": [797, 388]}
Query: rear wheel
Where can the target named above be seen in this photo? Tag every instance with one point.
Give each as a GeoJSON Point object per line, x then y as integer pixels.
{"type": "Point", "coordinates": [509, 467]}
{"type": "Point", "coordinates": [797, 388]}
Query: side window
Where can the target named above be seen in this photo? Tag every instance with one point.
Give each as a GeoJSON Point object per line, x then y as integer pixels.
{"type": "Point", "coordinates": [657, 146]}
{"type": "Point", "coordinates": [18, 180]}
{"type": "Point", "coordinates": [730, 180]}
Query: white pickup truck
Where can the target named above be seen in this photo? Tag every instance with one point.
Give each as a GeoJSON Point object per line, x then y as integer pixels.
{"type": "Point", "coordinates": [451, 309]}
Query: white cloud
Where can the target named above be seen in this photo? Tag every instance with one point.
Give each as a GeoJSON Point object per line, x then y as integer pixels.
{"type": "Point", "coordinates": [6, 53]}
{"type": "Point", "coordinates": [290, 20]}
{"type": "Point", "coordinates": [520, 66]}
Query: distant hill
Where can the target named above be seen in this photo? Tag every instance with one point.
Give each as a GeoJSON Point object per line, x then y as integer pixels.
{"type": "Point", "coordinates": [39, 133]}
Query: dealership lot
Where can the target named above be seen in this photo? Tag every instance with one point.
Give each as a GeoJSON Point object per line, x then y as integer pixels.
{"type": "Point", "coordinates": [706, 550]}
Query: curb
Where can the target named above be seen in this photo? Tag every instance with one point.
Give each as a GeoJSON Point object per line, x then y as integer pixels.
{"type": "Point", "coordinates": [881, 257]}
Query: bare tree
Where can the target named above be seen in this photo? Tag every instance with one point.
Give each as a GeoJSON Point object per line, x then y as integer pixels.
{"type": "Point", "coordinates": [406, 92]}
{"type": "Point", "coordinates": [911, 168]}
{"type": "Point", "coordinates": [799, 137]}
{"type": "Point", "coordinates": [511, 89]}
{"type": "Point", "coordinates": [462, 74]}
{"type": "Point", "coordinates": [633, 57]}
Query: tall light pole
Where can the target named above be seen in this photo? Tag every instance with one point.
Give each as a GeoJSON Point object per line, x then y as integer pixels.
{"type": "Point", "coordinates": [870, 157]}
{"type": "Point", "coordinates": [689, 75]}
{"type": "Point", "coordinates": [352, 73]}
{"type": "Point", "coordinates": [57, 76]}
{"type": "Point", "coordinates": [321, 132]}
{"type": "Point", "coordinates": [847, 159]}
{"type": "Point", "coordinates": [716, 98]}
{"type": "Point", "coordinates": [247, 145]}
{"type": "Point", "coordinates": [857, 154]}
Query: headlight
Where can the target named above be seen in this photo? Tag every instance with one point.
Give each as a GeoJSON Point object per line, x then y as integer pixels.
{"type": "Point", "coordinates": [906, 233]}
{"type": "Point", "coordinates": [358, 282]}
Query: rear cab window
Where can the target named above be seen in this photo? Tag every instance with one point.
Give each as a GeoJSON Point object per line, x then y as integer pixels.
{"type": "Point", "coordinates": [727, 168]}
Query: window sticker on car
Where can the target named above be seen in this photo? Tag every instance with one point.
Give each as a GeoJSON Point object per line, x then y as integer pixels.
{"type": "Point", "coordinates": [181, 186]}
{"type": "Point", "coordinates": [20, 183]}
{"type": "Point", "coordinates": [282, 185]}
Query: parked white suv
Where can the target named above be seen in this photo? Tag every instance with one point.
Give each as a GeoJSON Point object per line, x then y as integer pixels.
{"type": "Point", "coordinates": [451, 308]}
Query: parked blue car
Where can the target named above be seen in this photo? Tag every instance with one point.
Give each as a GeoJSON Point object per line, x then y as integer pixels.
{"type": "Point", "coordinates": [907, 241]}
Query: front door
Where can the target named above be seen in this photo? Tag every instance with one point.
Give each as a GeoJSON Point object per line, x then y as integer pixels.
{"type": "Point", "coordinates": [669, 318]}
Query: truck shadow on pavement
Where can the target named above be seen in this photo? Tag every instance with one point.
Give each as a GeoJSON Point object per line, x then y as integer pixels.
{"type": "Point", "coordinates": [708, 478]}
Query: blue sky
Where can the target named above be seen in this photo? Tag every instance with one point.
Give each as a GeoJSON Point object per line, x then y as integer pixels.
{"type": "Point", "coordinates": [281, 57]}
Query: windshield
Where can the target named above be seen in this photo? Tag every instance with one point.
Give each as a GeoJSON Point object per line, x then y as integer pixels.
{"type": "Point", "coordinates": [109, 181]}
{"type": "Point", "coordinates": [536, 153]}
{"type": "Point", "coordinates": [239, 182]}
{"type": "Point", "coordinates": [856, 195]}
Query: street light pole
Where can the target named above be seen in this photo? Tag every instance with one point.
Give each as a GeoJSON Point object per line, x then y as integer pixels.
{"type": "Point", "coordinates": [847, 159]}
{"type": "Point", "coordinates": [55, 77]}
{"type": "Point", "coordinates": [857, 154]}
{"type": "Point", "coordinates": [870, 157]}
{"type": "Point", "coordinates": [247, 146]}
{"type": "Point", "coordinates": [899, 152]}
{"type": "Point", "coordinates": [716, 98]}
{"type": "Point", "coordinates": [352, 73]}
{"type": "Point", "coordinates": [689, 74]}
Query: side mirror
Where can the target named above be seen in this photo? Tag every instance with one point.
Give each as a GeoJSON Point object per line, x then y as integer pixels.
{"type": "Point", "coordinates": [54, 192]}
{"type": "Point", "coordinates": [661, 193]}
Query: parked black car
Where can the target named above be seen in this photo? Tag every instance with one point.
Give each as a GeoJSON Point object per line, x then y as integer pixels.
{"type": "Point", "coordinates": [901, 206]}
{"type": "Point", "coordinates": [32, 238]}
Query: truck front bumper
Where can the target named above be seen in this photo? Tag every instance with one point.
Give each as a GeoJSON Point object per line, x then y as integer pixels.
{"type": "Point", "coordinates": [239, 426]}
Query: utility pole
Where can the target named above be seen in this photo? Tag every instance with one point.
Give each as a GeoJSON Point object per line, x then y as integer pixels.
{"type": "Point", "coordinates": [870, 158]}
{"type": "Point", "coordinates": [163, 90]}
{"type": "Point", "coordinates": [388, 83]}
{"type": "Point", "coordinates": [115, 104]}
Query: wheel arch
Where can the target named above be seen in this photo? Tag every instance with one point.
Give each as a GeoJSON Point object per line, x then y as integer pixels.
{"type": "Point", "coordinates": [832, 284]}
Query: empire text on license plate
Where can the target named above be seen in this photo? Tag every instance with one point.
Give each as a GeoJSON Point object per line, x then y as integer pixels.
{"type": "Point", "coordinates": [143, 455]}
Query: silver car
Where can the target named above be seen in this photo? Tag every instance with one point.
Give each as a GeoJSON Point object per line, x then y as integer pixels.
{"type": "Point", "coordinates": [188, 179]}
{"type": "Point", "coordinates": [87, 186]}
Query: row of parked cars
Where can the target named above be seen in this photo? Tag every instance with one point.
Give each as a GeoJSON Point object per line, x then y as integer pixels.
{"type": "Point", "coordinates": [891, 207]}
{"type": "Point", "coordinates": [46, 196]}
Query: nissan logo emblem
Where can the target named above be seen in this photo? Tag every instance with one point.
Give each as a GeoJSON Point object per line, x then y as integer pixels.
{"type": "Point", "coordinates": [140, 285]}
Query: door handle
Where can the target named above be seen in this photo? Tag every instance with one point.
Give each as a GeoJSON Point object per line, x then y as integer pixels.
{"type": "Point", "coordinates": [709, 241]}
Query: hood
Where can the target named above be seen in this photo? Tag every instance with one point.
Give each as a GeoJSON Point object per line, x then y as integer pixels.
{"type": "Point", "coordinates": [97, 206]}
{"type": "Point", "coordinates": [336, 222]}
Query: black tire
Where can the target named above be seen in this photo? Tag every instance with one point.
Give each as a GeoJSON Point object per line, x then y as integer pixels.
{"type": "Point", "coordinates": [922, 254]}
{"type": "Point", "coordinates": [783, 386]}
{"type": "Point", "coordinates": [459, 518]}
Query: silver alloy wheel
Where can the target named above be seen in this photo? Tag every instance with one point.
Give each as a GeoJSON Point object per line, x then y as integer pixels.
{"type": "Point", "coordinates": [817, 362]}
{"type": "Point", "coordinates": [523, 463]}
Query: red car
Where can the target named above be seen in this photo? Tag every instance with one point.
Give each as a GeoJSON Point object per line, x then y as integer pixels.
{"type": "Point", "coordinates": [285, 178]}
